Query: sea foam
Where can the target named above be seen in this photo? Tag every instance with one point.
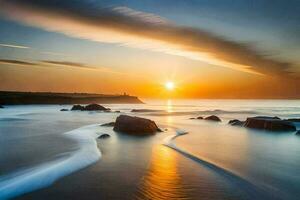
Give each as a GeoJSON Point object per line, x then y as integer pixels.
{"type": "Point", "coordinates": [44, 175]}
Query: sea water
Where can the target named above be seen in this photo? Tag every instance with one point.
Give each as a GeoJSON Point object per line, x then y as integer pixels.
{"type": "Point", "coordinates": [40, 144]}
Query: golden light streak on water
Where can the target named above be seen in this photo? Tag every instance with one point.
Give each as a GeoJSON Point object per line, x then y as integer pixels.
{"type": "Point", "coordinates": [162, 180]}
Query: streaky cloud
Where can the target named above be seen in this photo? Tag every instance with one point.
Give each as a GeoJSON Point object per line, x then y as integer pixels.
{"type": "Point", "coordinates": [125, 26]}
{"type": "Point", "coordinates": [60, 64]}
{"type": "Point", "coordinates": [16, 62]}
{"type": "Point", "coordinates": [67, 64]}
{"type": "Point", "coordinates": [13, 46]}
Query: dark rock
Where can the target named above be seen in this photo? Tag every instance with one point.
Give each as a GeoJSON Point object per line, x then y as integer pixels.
{"type": "Point", "coordinates": [199, 117]}
{"type": "Point", "coordinates": [104, 136]}
{"type": "Point", "coordinates": [1, 106]}
{"type": "Point", "coordinates": [117, 111]}
{"type": "Point", "coordinates": [64, 109]}
{"type": "Point", "coordinates": [298, 132]}
{"type": "Point", "coordinates": [90, 107]}
{"type": "Point", "coordinates": [110, 124]}
{"type": "Point", "coordinates": [213, 118]}
{"type": "Point", "coordinates": [144, 110]}
{"type": "Point", "coordinates": [135, 125]}
{"type": "Point", "coordinates": [192, 118]}
{"type": "Point", "coordinates": [236, 122]}
{"type": "Point", "coordinates": [77, 107]}
{"type": "Point", "coordinates": [293, 120]}
{"type": "Point", "coordinates": [94, 107]}
{"type": "Point", "coordinates": [269, 123]}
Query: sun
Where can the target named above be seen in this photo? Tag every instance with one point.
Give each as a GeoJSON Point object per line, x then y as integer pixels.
{"type": "Point", "coordinates": [169, 85]}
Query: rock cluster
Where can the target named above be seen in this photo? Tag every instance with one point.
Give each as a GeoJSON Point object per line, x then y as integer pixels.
{"type": "Point", "coordinates": [209, 118]}
{"type": "Point", "coordinates": [90, 107]}
{"type": "Point", "coordinates": [265, 123]}
{"type": "Point", "coordinates": [269, 123]}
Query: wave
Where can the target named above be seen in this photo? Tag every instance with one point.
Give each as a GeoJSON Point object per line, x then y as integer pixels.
{"type": "Point", "coordinates": [253, 191]}
{"type": "Point", "coordinates": [46, 174]}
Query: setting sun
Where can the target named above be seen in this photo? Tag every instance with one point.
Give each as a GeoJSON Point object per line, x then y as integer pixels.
{"type": "Point", "coordinates": [169, 85]}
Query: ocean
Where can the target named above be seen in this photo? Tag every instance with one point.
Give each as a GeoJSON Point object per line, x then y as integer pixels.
{"type": "Point", "coordinates": [49, 154]}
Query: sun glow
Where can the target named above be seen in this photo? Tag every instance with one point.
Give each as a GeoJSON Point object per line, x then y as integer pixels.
{"type": "Point", "coordinates": [169, 85]}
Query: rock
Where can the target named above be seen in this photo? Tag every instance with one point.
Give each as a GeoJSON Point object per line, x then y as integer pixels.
{"type": "Point", "coordinates": [135, 125]}
{"type": "Point", "coordinates": [90, 107]}
{"type": "Point", "coordinates": [117, 111]}
{"type": "Point", "coordinates": [110, 124]}
{"type": "Point", "coordinates": [213, 118]}
{"type": "Point", "coordinates": [293, 120]}
{"type": "Point", "coordinates": [192, 118]}
{"type": "Point", "coordinates": [64, 109]}
{"type": "Point", "coordinates": [104, 136]}
{"type": "Point", "coordinates": [144, 110]}
{"type": "Point", "coordinates": [269, 123]}
{"type": "Point", "coordinates": [298, 132]}
{"type": "Point", "coordinates": [236, 122]}
{"type": "Point", "coordinates": [77, 107]}
{"type": "Point", "coordinates": [94, 107]}
{"type": "Point", "coordinates": [199, 117]}
{"type": "Point", "coordinates": [1, 106]}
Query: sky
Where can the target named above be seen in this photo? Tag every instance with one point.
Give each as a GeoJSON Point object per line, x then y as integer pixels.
{"type": "Point", "coordinates": [206, 48]}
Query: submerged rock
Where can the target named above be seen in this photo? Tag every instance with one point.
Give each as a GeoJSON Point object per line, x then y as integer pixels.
{"type": "Point", "coordinates": [298, 132]}
{"type": "Point", "coordinates": [135, 125]}
{"type": "Point", "coordinates": [294, 120]}
{"type": "Point", "coordinates": [104, 136]}
{"type": "Point", "coordinates": [236, 122]}
{"type": "Point", "coordinates": [144, 110]}
{"type": "Point", "coordinates": [110, 124]}
{"type": "Point", "coordinates": [192, 118]}
{"type": "Point", "coordinates": [90, 107]}
{"type": "Point", "coordinates": [199, 117]}
{"type": "Point", "coordinates": [213, 118]}
{"type": "Point", "coordinates": [64, 109]}
{"type": "Point", "coordinates": [1, 106]}
{"type": "Point", "coordinates": [77, 107]}
{"type": "Point", "coordinates": [93, 107]}
{"type": "Point", "coordinates": [269, 123]}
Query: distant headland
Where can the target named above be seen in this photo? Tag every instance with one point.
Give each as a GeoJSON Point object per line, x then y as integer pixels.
{"type": "Point", "coordinates": [21, 98]}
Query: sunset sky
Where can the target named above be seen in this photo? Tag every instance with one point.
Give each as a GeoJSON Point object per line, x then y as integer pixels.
{"type": "Point", "coordinates": [206, 48]}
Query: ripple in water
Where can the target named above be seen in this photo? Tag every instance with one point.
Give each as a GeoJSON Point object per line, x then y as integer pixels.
{"type": "Point", "coordinates": [162, 180]}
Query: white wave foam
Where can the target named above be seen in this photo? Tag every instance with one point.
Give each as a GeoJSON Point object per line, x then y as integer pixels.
{"type": "Point", "coordinates": [46, 174]}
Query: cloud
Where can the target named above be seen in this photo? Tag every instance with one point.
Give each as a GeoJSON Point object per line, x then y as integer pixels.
{"type": "Point", "coordinates": [62, 64]}
{"type": "Point", "coordinates": [125, 26]}
{"type": "Point", "coordinates": [16, 62]}
{"type": "Point", "coordinates": [68, 64]}
{"type": "Point", "coordinates": [46, 63]}
{"type": "Point", "coordinates": [14, 46]}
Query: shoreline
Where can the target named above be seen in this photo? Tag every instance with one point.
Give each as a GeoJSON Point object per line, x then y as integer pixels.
{"type": "Point", "coordinates": [38, 98]}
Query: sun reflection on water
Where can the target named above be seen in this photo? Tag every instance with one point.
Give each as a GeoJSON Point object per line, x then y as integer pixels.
{"type": "Point", "coordinates": [169, 105]}
{"type": "Point", "coordinates": [162, 180]}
